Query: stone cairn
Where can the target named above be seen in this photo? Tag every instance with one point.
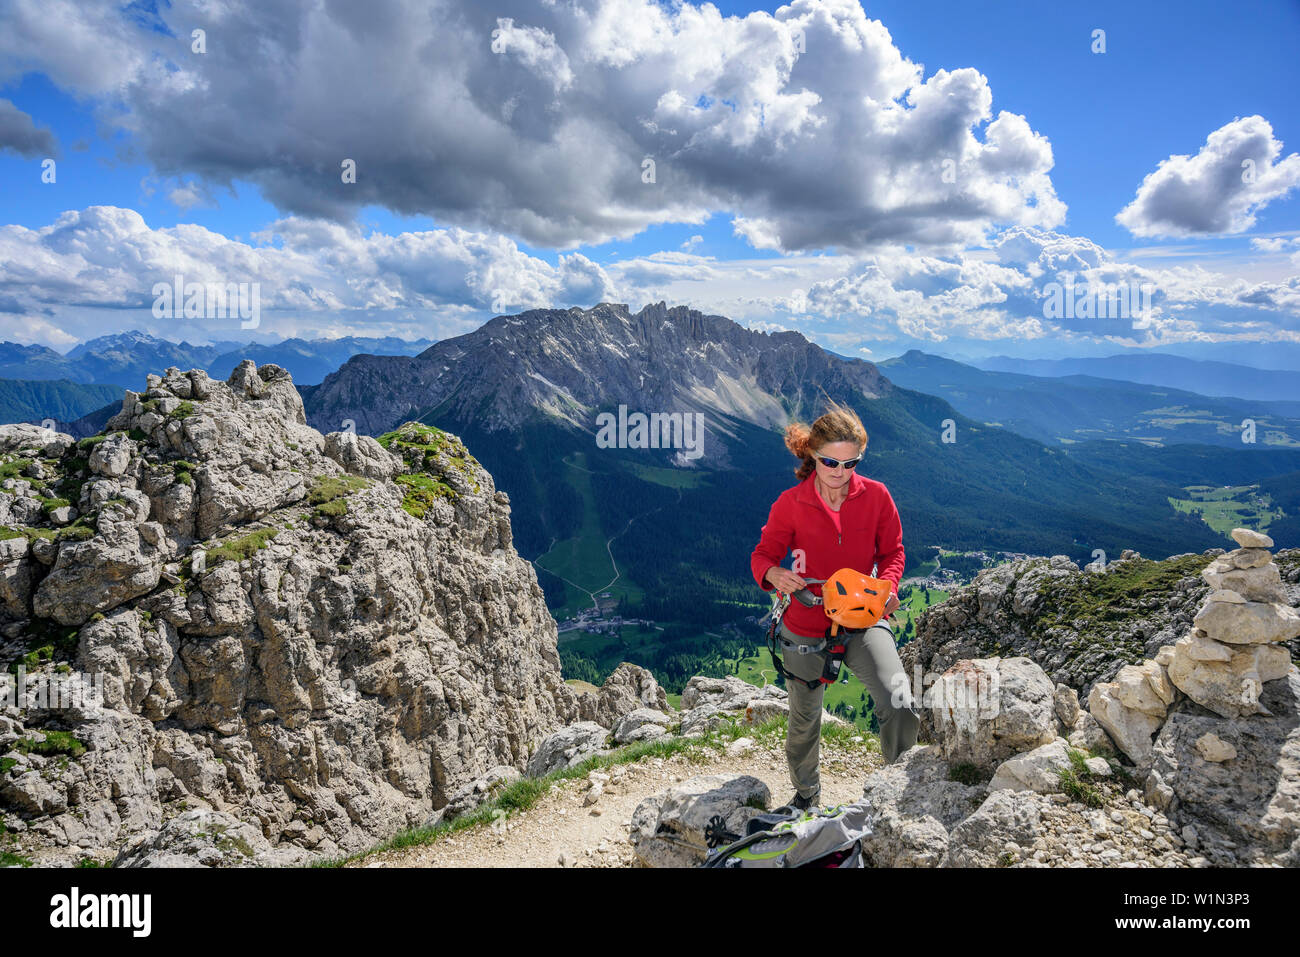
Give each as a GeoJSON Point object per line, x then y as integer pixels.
{"type": "Point", "coordinates": [1237, 643]}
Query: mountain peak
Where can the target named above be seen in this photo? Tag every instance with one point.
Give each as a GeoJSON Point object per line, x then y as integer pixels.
{"type": "Point", "coordinates": [567, 364]}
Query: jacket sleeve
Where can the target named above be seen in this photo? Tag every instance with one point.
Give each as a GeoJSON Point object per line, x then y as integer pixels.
{"type": "Point", "coordinates": [889, 543]}
{"type": "Point", "coordinates": [773, 543]}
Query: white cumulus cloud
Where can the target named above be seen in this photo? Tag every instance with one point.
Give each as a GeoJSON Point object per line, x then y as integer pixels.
{"type": "Point", "coordinates": [1218, 191]}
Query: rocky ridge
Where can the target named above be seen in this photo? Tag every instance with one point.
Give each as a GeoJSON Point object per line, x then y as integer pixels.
{"type": "Point", "coordinates": [321, 638]}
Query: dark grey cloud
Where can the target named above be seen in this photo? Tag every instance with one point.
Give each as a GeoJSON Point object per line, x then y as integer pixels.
{"type": "Point", "coordinates": [19, 133]}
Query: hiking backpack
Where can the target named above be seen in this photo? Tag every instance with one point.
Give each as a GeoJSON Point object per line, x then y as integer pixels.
{"type": "Point", "coordinates": [788, 837]}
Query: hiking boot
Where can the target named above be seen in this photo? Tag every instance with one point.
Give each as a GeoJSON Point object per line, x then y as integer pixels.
{"type": "Point", "coordinates": [803, 803]}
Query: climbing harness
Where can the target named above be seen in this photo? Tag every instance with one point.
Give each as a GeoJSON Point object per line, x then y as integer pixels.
{"type": "Point", "coordinates": [856, 602]}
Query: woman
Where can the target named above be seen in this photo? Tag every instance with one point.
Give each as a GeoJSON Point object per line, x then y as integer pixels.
{"type": "Point", "coordinates": [834, 518]}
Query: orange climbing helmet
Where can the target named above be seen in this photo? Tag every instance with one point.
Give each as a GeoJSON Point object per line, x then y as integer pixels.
{"type": "Point", "coordinates": [853, 600]}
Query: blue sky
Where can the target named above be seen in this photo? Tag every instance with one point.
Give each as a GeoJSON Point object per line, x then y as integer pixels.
{"type": "Point", "coordinates": [732, 232]}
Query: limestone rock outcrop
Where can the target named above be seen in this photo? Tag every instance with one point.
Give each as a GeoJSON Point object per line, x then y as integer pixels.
{"type": "Point", "coordinates": [323, 637]}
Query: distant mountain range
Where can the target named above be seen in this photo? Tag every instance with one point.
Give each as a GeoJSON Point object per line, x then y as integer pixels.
{"type": "Point", "coordinates": [37, 383]}
{"type": "Point", "coordinates": [526, 391]}
{"type": "Point", "coordinates": [1204, 377]}
{"type": "Point", "coordinates": [1074, 408]}
{"type": "Point", "coordinates": [124, 360]}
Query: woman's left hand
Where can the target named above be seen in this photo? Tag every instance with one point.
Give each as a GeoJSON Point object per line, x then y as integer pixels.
{"type": "Point", "coordinates": [891, 606]}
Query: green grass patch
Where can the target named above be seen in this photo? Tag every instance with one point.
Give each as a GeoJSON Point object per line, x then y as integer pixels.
{"type": "Point", "coordinates": [421, 491]}
{"type": "Point", "coordinates": [239, 549]}
{"type": "Point", "coordinates": [31, 534]}
{"type": "Point", "coordinates": [14, 468]}
{"type": "Point", "coordinates": [1110, 596]}
{"type": "Point", "coordinates": [669, 478]}
{"type": "Point", "coordinates": [424, 483]}
{"type": "Point", "coordinates": [332, 509]}
{"type": "Point", "coordinates": [183, 471]}
{"type": "Point", "coordinates": [329, 492]}
{"type": "Point", "coordinates": [56, 742]}
{"type": "Point", "coordinates": [414, 436]}
{"type": "Point", "coordinates": [79, 531]}
{"type": "Point", "coordinates": [1077, 780]}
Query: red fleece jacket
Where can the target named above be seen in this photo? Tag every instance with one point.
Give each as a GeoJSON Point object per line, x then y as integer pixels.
{"type": "Point", "coordinates": [872, 538]}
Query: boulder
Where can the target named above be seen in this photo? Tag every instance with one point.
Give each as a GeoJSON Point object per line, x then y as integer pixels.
{"type": "Point", "coordinates": [112, 457]}
{"type": "Point", "coordinates": [725, 694]}
{"type": "Point", "coordinates": [1004, 819]}
{"type": "Point", "coordinates": [1249, 538]}
{"type": "Point", "coordinates": [986, 710]}
{"type": "Point", "coordinates": [15, 578]}
{"type": "Point", "coordinates": [1213, 748]}
{"type": "Point", "coordinates": [1098, 767]}
{"type": "Point", "coordinates": [1262, 583]}
{"type": "Point", "coordinates": [913, 803]}
{"type": "Point", "coordinates": [1132, 707]}
{"type": "Point", "coordinates": [628, 688]}
{"type": "Point", "coordinates": [646, 732]}
{"type": "Point", "coordinates": [701, 720]}
{"type": "Point", "coordinates": [1247, 622]}
{"type": "Point", "coordinates": [98, 574]}
{"type": "Point", "coordinates": [634, 721]}
{"type": "Point", "coordinates": [760, 710]}
{"type": "Point", "coordinates": [567, 747]}
{"type": "Point", "coordinates": [21, 437]}
{"type": "Point", "coordinates": [471, 795]}
{"type": "Point", "coordinates": [669, 830]}
{"type": "Point", "coordinates": [1249, 557]}
{"type": "Point", "coordinates": [362, 455]}
{"type": "Point", "coordinates": [1036, 770]}
{"type": "Point", "coordinates": [1088, 735]}
{"type": "Point", "coordinates": [1066, 702]}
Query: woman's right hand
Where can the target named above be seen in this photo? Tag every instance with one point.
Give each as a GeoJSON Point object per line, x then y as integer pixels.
{"type": "Point", "coordinates": [783, 580]}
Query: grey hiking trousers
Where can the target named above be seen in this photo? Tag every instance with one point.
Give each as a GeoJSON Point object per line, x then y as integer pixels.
{"type": "Point", "coordinates": [872, 656]}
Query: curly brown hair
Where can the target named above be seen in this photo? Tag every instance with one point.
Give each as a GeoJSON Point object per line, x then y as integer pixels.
{"type": "Point", "coordinates": [838, 424]}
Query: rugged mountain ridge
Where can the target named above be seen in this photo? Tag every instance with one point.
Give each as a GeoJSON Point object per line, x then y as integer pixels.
{"type": "Point", "coordinates": [320, 637]}
{"type": "Point", "coordinates": [565, 362]}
